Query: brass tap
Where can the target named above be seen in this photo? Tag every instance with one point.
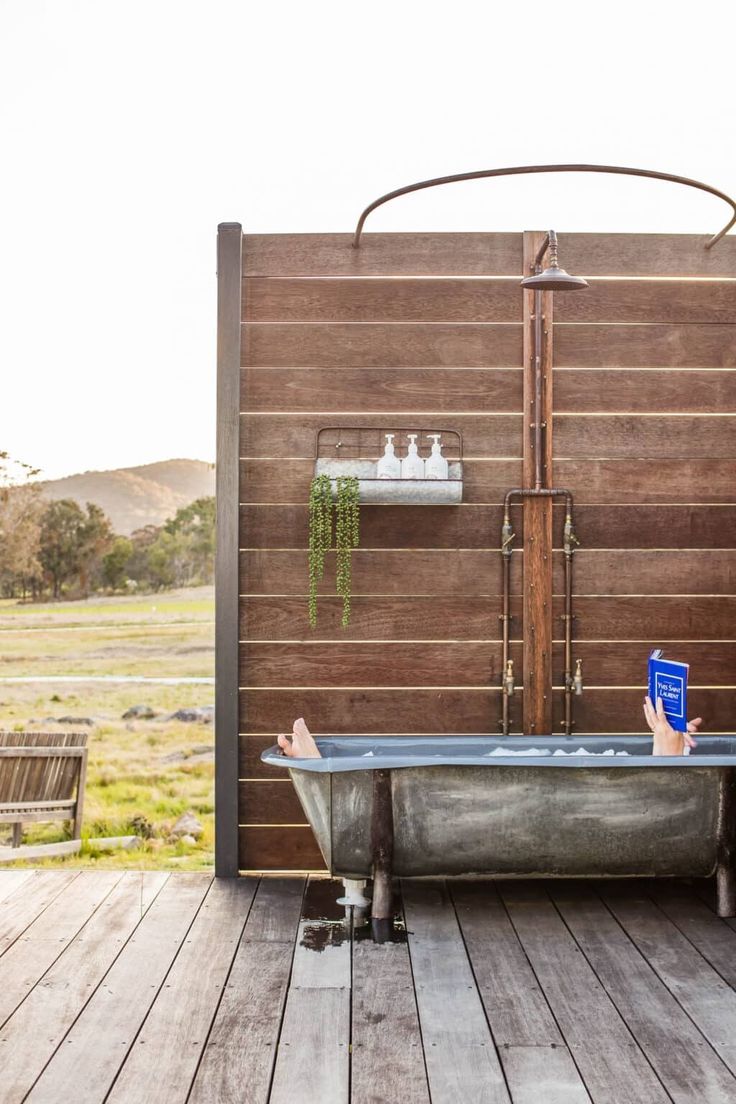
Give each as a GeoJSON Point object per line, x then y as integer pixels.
{"type": "Point", "coordinates": [568, 537]}
{"type": "Point", "coordinates": [577, 682]}
{"type": "Point", "coordinates": [507, 536]}
{"type": "Point", "coordinates": [508, 682]}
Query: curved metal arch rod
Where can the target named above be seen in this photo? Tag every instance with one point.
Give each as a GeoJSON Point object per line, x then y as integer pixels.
{"type": "Point", "coordinates": [519, 170]}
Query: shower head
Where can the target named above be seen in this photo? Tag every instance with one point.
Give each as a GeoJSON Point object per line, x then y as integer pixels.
{"type": "Point", "coordinates": [552, 278]}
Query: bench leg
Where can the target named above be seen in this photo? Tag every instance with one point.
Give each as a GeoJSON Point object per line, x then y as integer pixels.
{"type": "Point", "coordinates": [17, 834]}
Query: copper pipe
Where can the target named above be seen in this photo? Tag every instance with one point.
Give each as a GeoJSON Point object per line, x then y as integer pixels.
{"type": "Point", "coordinates": [520, 170]}
{"type": "Point", "coordinates": [570, 540]}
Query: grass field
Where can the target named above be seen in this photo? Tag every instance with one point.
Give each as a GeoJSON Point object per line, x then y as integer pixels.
{"type": "Point", "coordinates": [142, 774]}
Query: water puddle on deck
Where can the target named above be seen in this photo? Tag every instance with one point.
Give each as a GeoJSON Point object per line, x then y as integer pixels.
{"type": "Point", "coordinates": [325, 924]}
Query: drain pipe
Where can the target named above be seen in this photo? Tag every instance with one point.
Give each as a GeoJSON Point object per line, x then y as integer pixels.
{"type": "Point", "coordinates": [382, 847]}
{"type": "Point", "coordinates": [570, 542]}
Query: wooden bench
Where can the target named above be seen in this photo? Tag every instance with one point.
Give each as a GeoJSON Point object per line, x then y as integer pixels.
{"type": "Point", "coordinates": [42, 777]}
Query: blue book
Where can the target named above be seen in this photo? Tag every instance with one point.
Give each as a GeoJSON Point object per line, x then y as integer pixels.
{"type": "Point", "coordinates": [668, 681]}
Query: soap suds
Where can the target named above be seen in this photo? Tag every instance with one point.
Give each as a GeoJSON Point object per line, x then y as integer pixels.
{"type": "Point", "coordinates": [546, 751]}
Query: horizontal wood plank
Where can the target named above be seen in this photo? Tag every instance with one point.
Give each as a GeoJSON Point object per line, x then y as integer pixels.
{"type": "Point", "coordinates": [486, 481]}
{"type": "Point", "coordinates": [650, 301]}
{"type": "Point", "coordinates": [397, 663]}
{"type": "Point", "coordinates": [464, 571]}
{"type": "Point", "coordinates": [416, 254]}
{"type": "Point", "coordinates": [443, 390]}
{"type": "Point", "coordinates": [643, 390]}
{"type": "Point", "coordinates": [295, 435]}
{"type": "Point", "coordinates": [447, 711]}
{"type": "Point", "coordinates": [644, 346]}
{"type": "Point", "coordinates": [452, 254]}
{"type": "Point", "coordinates": [278, 848]}
{"type": "Point", "coordinates": [380, 345]}
{"type": "Point", "coordinates": [476, 526]}
{"type": "Point", "coordinates": [381, 300]}
{"type": "Point", "coordinates": [660, 437]}
{"type": "Point", "coordinates": [270, 802]}
{"type": "Point", "coordinates": [597, 617]}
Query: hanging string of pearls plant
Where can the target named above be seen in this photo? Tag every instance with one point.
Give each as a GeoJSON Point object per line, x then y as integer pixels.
{"type": "Point", "coordinates": [347, 535]}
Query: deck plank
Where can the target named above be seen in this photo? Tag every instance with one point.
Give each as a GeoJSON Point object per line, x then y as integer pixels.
{"type": "Point", "coordinates": [531, 1048]}
{"type": "Point", "coordinates": [314, 1046]}
{"type": "Point", "coordinates": [612, 1065]}
{"type": "Point", "coordinates": [713, 937]}
{"type": "Point", "coordinates": [90, 1056]}
{"type": "Point", "coordinates": [387, 1056]}
{"type": "Point", "coordinates": [690, 1070]}
{"type": "Point", "coordinates": [31, 1036]}
{"type": "Point", "coordinates": [29, 901]}
{"type": "Point", "coordinates": [43, 941]}
{"type": "Point", "coordinates": [462, 1063]}
{"type": "Point", "coordinates": [238, 1059]}
{"type": "Point", "coordinates": [180, 1018]}
{"type": "Point", "coordinates": [708, 1000]}
{"type": "Point", "coordinates": [10, 880]}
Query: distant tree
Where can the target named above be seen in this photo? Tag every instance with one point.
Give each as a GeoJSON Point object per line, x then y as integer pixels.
{"type": "Point", "coordinates": [138, 567]}
{"type": "Point", "coordinates": [73, 543]}
{"type": "Point", "coordinates": [115, 562]}
{"type": "Point", "coordinates": [21, 508]}
{"type": "Point", "coordinates": [61, 525]}
{"type": "Point", "coordinates": [195, 523]}
{"type": "Point", "coordinates": [95, 540]}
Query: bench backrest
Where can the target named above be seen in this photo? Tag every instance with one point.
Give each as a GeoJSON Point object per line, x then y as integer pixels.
{"type": "Point", "coordinates": [32, 775]}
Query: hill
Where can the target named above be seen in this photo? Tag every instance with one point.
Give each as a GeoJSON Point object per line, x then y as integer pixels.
{"type": "Point", "coordinates": [134, 497]}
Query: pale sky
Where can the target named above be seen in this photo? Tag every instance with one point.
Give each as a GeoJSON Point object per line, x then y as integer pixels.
{"type": "Point", "coordinates": [130, 129]}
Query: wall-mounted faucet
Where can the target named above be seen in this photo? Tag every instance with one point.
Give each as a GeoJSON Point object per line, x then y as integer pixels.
{"type": "Point", "coordinates": [508, 681]}
{"type": "Point", "coordinates": [577, 682]}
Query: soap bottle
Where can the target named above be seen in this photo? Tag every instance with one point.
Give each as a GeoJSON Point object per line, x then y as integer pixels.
{"type": "Point", "coordinates": [389, 466]}
{"type": "Point", "coordinates": [412, 466]}
{"type": "Point", "coordinates": [436, 467]}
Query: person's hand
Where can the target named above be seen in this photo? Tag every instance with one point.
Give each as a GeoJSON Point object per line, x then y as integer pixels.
{"type": "Point", "coordinates": [667, 740]}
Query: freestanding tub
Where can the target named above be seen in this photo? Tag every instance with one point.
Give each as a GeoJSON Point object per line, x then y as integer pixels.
{"type": "Point", "coordinates": [419, 806]}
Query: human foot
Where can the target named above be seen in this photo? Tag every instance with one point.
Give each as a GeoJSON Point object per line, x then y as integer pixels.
{"type": "Point", "coordinates": [667, 740]}
{"type": "Point", "coordinates": [301, 745]}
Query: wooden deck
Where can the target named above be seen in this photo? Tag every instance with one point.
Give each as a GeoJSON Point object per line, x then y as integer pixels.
{"type": "Point", "coordinates": [148, 987]}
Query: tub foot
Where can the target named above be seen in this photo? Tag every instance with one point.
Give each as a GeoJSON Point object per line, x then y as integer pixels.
{"type": "Point", "coordinates": [726, 890]}
{"type": "Point", "coordinates": [354, 900]}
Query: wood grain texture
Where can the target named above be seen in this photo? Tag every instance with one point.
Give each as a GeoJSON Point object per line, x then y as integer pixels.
{"type": "Point", "coordinates": [452, 254]}
{"type": "Point", "coordinates": [460, 1055]}
{"type": "Point", "coordinates": [537, 625]}
{"type": "Point", "coordinates": [387, 1042]}
{"type": "Point", "coordinates": [178, 1024]}
{"type": "Point", "coordinates": [699, 990]}
{"type": "Point", "coordinates": [35, 1031]}
{"type": "Point", "coordinates": [652, 1013]}
{"type": "Point", "coordinates": [659, 525]}
{"type": "Point", "coordinates": [466, 710]}
{"type": "Point", "coordinates": [606, 1053]}
{"type": "Point", "coordinates": [238, 1061]}
{"type": "Point", "coordinates": [642, 436]}
{"type": "Point", "coordinates": [270, 802]}
{"type": "Point", "coordinates": [615, 617]}
{"type": "Point", "coordinates": [331, 663]}
{"type": "Point", "coordinates": [21, 909]}
{"type": "Point", "coordinates": [645, 389]}
{"type": "Point", "coordinates": [414, 254]}
{"type": "Point", "coordinates": [278, 848]}
{"type": "Point", "coordinates": [477, 572]}
{"type": "Point", "coordinates": [295, 435]}
{"type": "Point", "coordinates": [597, 345]}
{"type": "Point", "coordinates": [84, 1067]}
{"type": "Point", "coordinates": [44, 940]}
{"type": "Point", "coordinates": [316, 1021]}
{"type": "Point", "coordinates": [378, 300]}
{"type": "Point", "coordinates": [486, 481]}
{"type": "Point", "coordinates": [273, 390]}
{"type": "Point", "coordinates": [660, 301]}
{"type": "Point", "coordinates": [381, 345]}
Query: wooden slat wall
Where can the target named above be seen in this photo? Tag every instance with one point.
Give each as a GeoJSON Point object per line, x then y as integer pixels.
{"type": "Point", "coordinates": [411, 327]}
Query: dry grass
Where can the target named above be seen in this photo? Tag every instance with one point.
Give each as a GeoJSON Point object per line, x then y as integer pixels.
{"type": "Point", "coordinates": [141, 773]}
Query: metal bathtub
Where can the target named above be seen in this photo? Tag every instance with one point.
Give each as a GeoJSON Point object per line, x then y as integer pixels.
{"type": "Point", "coordinates": [438, 806]}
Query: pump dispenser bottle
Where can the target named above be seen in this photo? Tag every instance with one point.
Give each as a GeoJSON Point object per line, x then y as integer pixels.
{"type": "Point", "coordinates": [389, 466]}
{"type": "Point", "coordinates": [412, 466]}
{"type": "Point", "coordinates": [436, 467]}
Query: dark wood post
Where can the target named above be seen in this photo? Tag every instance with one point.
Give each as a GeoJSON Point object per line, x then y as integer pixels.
{"type": "Point", "coordinates": [229, 280]}
{"type": "Point", "coordinates": [537, 608]}
{"type": "Point", "coordinates": [382, 846]}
